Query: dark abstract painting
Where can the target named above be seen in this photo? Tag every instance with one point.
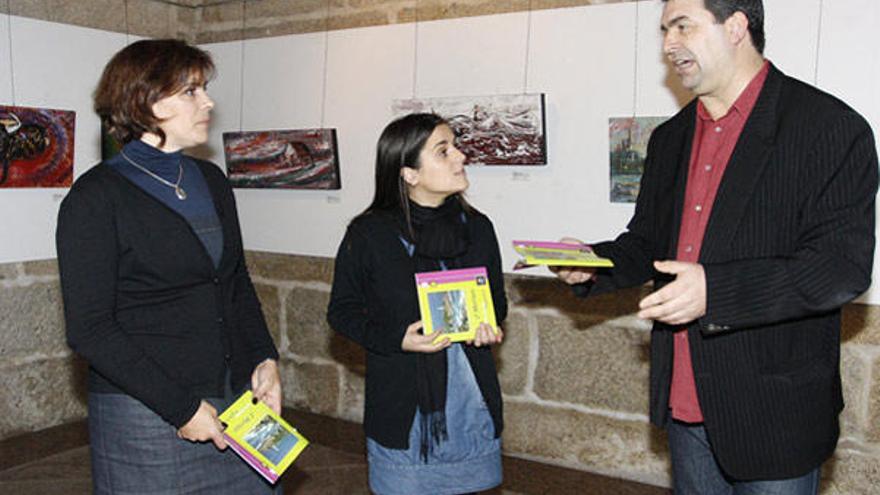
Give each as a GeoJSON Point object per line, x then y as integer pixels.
{"type": "Point", "coordinates": [294, 159]}
{"type": "Point", "coordinates": [490, 130]}
{"type": "Point", "coordinates": [36, 147]}
{"type": "Point", "coordinates": [628, 140]}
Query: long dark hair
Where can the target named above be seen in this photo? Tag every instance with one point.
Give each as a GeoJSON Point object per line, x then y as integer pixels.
{"type": "Point", "coordinates": [399, 146]}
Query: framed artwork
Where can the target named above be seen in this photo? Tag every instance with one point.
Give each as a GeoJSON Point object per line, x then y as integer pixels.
{"type": "Point", "coordinates": [285, 159]}
{"type": "Point", "coordinates": [490, 130]}
{"type": "Point", "coordinates": [36, 147]}
{"type": "Point", "coordinates": [628, 142]}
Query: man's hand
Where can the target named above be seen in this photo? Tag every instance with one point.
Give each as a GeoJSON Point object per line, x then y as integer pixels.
{"type": "Point", "coordinates": [681, 301]}
{"type": "Point", "coordinates": [204, 426]}
{"type": "Point", "coordinates": [413, 341]}
{"type": "Point", "coordinates": [572, 275]}
{"type": "Point", "coordinates": [266, 384]}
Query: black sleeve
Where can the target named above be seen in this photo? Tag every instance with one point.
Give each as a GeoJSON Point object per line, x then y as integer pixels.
{"type": "Point", "coordinates": [349, 312]}
{"type": "Point", "coordinates": [496, 276]}
{"type": "Point", "coordinates": [88, 257]}
{"type": "Point", "coordinates": [832, 262]}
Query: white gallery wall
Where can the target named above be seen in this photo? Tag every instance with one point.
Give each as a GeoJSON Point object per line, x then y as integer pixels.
{"type": "Point", "coordinates": [584, 59]}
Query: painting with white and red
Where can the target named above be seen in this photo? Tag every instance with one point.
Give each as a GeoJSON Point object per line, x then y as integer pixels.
{"type": "Point", "coordinates": [36, 147]}
{"type": "Point", "coordinates": [490, 130]}
{"type": "Point", "coordinates": [284, 159]}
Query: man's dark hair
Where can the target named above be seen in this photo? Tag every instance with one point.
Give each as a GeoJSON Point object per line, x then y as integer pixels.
{"type": "Point", "coordinates": [752, 9]}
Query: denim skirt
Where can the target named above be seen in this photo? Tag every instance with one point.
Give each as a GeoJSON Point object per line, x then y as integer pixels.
{"type": "Point", "coordinates": [134, 451]}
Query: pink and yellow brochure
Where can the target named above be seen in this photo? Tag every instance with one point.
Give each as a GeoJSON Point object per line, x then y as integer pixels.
{"type": "Point", "coordinates": [454, 303]}
{"type": "Point", "coordinates": [260, 437]}
{"type": "Point", "coordinates": [557, 254]}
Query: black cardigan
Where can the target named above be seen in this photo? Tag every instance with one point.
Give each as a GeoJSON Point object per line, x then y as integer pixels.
{"type": "Point", "coordinates": [143, 302]}
{"type": "Point", "coordinates": [374, 299]}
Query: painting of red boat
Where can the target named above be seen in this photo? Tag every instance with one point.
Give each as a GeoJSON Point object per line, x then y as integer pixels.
{"type": "Point", "coordinates": [36, 147]}
{"type": "Point", "coordinates": [283, 159]}
{"type": "Point", "coordinates": [490, 130]}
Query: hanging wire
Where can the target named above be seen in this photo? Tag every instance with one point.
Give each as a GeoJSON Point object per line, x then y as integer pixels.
{"type": "Point", "coordinates": [127, 29]}
{"type": "Point", "coordinates": [9, 47]}
{"type": "Point", "coordinates": [241, 68]}
{"type": "Point", "coordinates": [528, 49]}
{"type": "Point", "coordinates": [326, 53]}
{"type": "Point", "coordinates": [635, 62]}
{"type": "Point", "coordinates": [818, 45]}
{"type": "Point", "coordinates": [415, 73]}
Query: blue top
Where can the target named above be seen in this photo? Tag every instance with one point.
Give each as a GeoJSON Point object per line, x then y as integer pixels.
{"type": "Point", "coordinates": [198, 207]}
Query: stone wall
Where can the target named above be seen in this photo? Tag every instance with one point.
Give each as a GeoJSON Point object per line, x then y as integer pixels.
{"type": "Point", "coordinates": [574, 374]}
{"type": "Point", "coordinates": [43, 384]}
{"type": "Point", "coordinates": [207, 21]}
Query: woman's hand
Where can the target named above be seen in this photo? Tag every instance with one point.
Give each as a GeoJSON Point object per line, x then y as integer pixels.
{"type": "Point", "coordinates": [266, 384]}
{"type": "Point", "coordinates": [486, 336]}
{"type": "Point", "coordinates": [204, 426]}
{"type": "Point", "coordinates": [413, 341]}
{"type": "Point", "coordinates": [573, 275]}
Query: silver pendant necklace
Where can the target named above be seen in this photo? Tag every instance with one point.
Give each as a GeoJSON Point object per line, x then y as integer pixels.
{"type": "Point", "coordinates": [178, 191]}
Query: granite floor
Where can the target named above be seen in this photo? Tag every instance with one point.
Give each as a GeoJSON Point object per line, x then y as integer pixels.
{"type": "Point", "coordinates": [56, 461]}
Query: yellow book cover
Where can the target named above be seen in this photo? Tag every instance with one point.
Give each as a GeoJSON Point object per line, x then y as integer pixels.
{"type": "Point", "coordinates": [557, 254]}
{"type": "Point", "coordinates": [453, 303]}
{"type": "Point", "coordinates": [260, 437]}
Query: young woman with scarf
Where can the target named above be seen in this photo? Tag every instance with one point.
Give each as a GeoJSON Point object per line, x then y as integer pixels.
{"type": "Point", "coordinates": [432, 415]}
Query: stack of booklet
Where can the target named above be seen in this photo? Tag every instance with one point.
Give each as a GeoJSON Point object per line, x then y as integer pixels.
{"type": "Point", "coordinates": [536, 253]}
{"type": "Point", "coordinates": [260, 437]}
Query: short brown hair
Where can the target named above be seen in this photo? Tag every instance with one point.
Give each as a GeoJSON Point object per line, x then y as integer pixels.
{"type": "Point", "coordinates": [141, 74]}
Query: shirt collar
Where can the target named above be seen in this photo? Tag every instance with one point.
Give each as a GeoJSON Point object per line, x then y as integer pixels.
{"type": "Point", "coordinates": [746, 100]}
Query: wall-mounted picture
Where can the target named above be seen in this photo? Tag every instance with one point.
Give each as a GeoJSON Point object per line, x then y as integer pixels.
{"type": "Point", "coordinates": [36, 147]}
{"type": "Point", "coordinates": [289, 159]}
{"type": "Point", "coordinates": [628, 140]}
{"type": "Point", "coordinates": [490, 130]}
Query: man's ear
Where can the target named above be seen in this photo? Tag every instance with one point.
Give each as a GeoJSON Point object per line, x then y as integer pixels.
{"type": "Point", "coordinates": [410, 175]}
{"type": "Point", "coordinates": [737, 26]}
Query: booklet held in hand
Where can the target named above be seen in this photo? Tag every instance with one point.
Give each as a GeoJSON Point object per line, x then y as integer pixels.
{"type": "Point", "coordinates": [260, 437]}
{"type": "Point", "coordinates": [454, 303]}
{"type": "Point", "coordinates": [557, 254]}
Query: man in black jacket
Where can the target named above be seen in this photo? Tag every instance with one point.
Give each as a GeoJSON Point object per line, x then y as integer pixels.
{"type": "Point", "coordinates": [756, 220]}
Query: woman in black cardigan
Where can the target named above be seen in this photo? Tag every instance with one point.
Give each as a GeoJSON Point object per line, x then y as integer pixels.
{"type": "Point", "coordinates": [433, 409]}
{"type": "Point", "coordinates": [156, 294]}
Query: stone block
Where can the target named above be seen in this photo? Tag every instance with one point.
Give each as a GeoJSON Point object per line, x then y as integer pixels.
{"type": "Point", "coordinates": [221, 15]}
{"type": "Point", "coordinates": [851, 472]}
{"type": "Point", "coordinates": [311, 387]}
{"type": "Point", "coordinates": [9, 271]}
{"type": "Point", "coordinates": [99, 14]}
{"type": "Point", "coordinates": [358, 19]}
{"type": "Point", "coordinates": [352, 407]}
{"type": "Point", "coordinates": [154, 19]}
{"type": "Point", "coordinates": [854, 372]}
{"type": "Point", "coordinates": [873, 432]}
{"type": "Point", "coordinates": [861, 324]}
{"type": "Point", "coordinates": [41, 394]}
{"type": "Point", "coordinates": [309, 334]}
{"type": "Point", "coordinates": [634, 449]}
{"type": "Point", "coordinates": [604, 365]}
{"type": "Point", "coordinates": [277, 9]}
{"type": "Point", "coordinates": [32, 319]}
{"type": "Point", "coordinates": [270, 301]}
{"type": "Point", "coordinates": [512, 356]}
{"type": "Point", "coordinates": [276, 266]}
{"type": "Point", "coordinates": [549, 293]}
{"type": "Point", "coordinates": [41, 268]}
{"type": "Point", "coordinates": [430, 10]}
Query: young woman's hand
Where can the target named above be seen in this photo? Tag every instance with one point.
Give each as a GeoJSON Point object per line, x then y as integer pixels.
{"type": "Point", "coordinates": [266, 384]}
{"type": "Point", "coordinates": [485, 336]}
{"type": "Point", "coordinates": [204, 426]}
{"type": "Point", "coordinates": [414, 341]}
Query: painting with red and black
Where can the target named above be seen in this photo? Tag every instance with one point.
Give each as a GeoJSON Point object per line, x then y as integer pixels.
{"type": "Point", "coordinates": [490, 130]}
{"type": "Point", "coordinates": [36, 147]}
{"type": "Point", "coordinates": [287, 159]}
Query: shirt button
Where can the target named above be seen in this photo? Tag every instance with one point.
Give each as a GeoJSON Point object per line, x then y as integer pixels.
{"type": "Point", "coordinates": [708, 167]}
{"type": "Point", "coordinates": [698, 208]}
{"type": "Point", "coordinates": [688, 248]}
{"type": "Point", "coordinates": [718, 128]}
{"type": "Point", "coordinates": [220, 320]}
{"type": "Point", "coordinates": [215, 280]}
